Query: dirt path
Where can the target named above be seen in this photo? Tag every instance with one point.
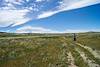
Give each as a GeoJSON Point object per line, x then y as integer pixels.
{"type": "Point", "coordinates": [71, 60]}
{"type": "Point", "coordinates": [86, 60]}
{"type": "Point", "coordinates": [94, 52]}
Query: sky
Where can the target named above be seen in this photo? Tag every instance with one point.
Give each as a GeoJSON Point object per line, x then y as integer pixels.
{"type": "Point", "coordinates": [49, 16]}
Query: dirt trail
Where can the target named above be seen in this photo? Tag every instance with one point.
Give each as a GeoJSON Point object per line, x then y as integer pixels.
{"type": "Point", "coordinates": [71, 60]}
{"type": "Point", "coordinates": [88, 61]}
{"type": "Point", "coordinates": [70, 57]}
{"type": "Point", "coordinates": [94, 52]}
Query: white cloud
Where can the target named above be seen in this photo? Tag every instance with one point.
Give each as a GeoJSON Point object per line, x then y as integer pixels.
{"type": "Point", "coordinates": [39, 0]}
{"type": "Point", "coordinates": [30, 29]}
{"type": "Point", "coordinates": [66, 5]}
{"type": "Point", "coordinates": [15, 17]}
{"type": "Point", "coordinates": [14, 1]}
{"type": "Point", "coordinates": [9, 14]}
{"type": "Point", "coordinates": [81, 30]}
{"type": "Point", "coordinates": [78, 4]}
{"type": "Point", "coordinates": [76, 30]}
{"type": "Point", "coordinates": [47, 14]}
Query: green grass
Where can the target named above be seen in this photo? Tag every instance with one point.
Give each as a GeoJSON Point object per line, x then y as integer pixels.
{"type": "Point", "coordinates": [92, 40]}
{"type": "Point", "coordinates": [89, 55]}
{"type": "Point", "coordinates": [38, 52]}
{"type": "Point", "coordinates": [77, 58]}
{"type": "Point", "coordinates": [45, 50]}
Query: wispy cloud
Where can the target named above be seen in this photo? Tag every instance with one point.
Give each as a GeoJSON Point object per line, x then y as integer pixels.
{"type": "Point", "coordinates": [47, 14]}
{"type": "Point", "coordinates": [10, 14]}
{"type": "Point", "coordinates": [39, 0]}
{"type": "Point", "coordinates": [14, 1]}
{"type": "Point", "coordinates": [77, 4]}
{"type": "Point", "coordinates": [30, 29]}
{"type": "Point", "coordinates": [15, 17]}
{"type": "Point", "coordinates": [66, 5]}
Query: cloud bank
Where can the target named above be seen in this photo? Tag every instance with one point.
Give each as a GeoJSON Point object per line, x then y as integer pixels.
{"type": "Point", "coordinates": [30, 29]}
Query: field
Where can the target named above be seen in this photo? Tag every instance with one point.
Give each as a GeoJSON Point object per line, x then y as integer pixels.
{"type": "Point", "coordinates": [46, 50]}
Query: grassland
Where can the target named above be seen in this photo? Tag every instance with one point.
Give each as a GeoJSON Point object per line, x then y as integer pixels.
{"type": "Point", "coordinates": [49, 50]}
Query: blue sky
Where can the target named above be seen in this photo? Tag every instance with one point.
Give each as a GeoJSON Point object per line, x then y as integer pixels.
{"type": "Point", "coordinates": [39, 16]}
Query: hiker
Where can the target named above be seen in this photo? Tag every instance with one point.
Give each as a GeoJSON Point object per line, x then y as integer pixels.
{"type": "Point", "coordinates": [74, 36]}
